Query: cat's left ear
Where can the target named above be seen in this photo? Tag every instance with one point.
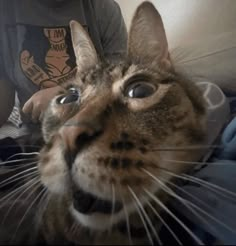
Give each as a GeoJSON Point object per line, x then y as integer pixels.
{"type": "Point", "coordinates": [147, 38]}
{"type": "Point", "coordinates": [85, 53]}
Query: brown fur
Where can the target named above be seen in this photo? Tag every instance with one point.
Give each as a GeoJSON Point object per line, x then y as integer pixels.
{"type": "Point", "coordinates": [103, 140]}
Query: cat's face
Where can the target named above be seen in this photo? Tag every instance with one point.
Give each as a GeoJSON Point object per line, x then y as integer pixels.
{"type": "Point", "coordinates": [117, 127]}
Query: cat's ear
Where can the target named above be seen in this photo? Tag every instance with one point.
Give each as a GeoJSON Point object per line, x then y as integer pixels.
{"type": "Point", "coordinates": [85, 53]}
{"type": "Point", "coordinates": [147, 37]}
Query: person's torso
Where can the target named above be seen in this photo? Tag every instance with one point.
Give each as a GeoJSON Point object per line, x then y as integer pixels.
{"type": "Point", "coordinates": [37, 48]}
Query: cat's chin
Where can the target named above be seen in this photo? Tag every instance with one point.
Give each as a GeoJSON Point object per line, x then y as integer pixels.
{"type": "Point", "coordinates": [88, 210]}
{"type": "Point", "coordinates": [93, 220]}
{"type": "Point", "coordinates": [87, 203]}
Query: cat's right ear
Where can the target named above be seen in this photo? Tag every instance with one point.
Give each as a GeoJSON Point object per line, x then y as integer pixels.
{"type": "Point", "coordinates": [147, 38]}
{"type": "Point", "coordinates": [85, 53]}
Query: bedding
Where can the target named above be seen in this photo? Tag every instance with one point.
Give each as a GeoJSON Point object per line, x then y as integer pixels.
{"type": "Point", "coordinates": [220, 170]}
{"type": "Point", "coordinates": [217, 224]}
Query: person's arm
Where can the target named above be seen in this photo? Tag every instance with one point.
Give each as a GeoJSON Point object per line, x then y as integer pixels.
{"type": "Point", "coordinates": [7, 90]}
{"type": "Point", "coordinates": [37, 104]}
{"type": "Point", "coordinates": [7, 100]}
{"type": "Point", "coordinates": [112, 28]}
{"type": "Point", "coordinates": [113, 36]}
{"type": "Point", "coordinates": [7, 93]}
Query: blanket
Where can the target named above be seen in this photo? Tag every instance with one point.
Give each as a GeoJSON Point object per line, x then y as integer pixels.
{"type": "Point", "coordinates": [212, 211]}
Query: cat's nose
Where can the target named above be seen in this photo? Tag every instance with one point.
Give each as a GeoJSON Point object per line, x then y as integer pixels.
{"type": "Point", "coordinates": [79, 134]}
{"type": "Point", "coordinates": [80, 131]}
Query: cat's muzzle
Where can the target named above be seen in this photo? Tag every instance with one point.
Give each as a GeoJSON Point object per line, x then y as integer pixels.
{"type": "Point", "coordinates": [87, 203]}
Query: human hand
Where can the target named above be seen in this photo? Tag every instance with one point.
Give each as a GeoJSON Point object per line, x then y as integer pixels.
{"type": "Point", "coordinates": [38, 103]}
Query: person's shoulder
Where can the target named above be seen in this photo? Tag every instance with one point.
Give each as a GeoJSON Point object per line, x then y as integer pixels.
{"type": "Point", "coordinates": [103, 2]}
{"type": "Point", "coordinates": [106, 10]}
{"type": "Point", "coordinates": [104, 5]}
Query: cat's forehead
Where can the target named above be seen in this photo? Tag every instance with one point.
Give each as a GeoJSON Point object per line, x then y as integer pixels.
{"type": "Point", "coordinates": [106, 75]}
{"type": "Point", "coordinates": [103, 74]}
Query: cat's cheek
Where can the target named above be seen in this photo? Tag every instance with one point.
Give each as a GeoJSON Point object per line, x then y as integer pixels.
{"type": "Point", "coordinates": [53, 171]}
{"type": "Point", "coordinates": [86, 172]}
{"type": "Point", "coordinates": [56, 183]}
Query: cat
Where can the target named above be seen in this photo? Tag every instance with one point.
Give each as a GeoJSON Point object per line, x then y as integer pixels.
{"type": "Point", "coordinates": [101, 162]}
{"type": "Point", "coordinates": [110, 136]}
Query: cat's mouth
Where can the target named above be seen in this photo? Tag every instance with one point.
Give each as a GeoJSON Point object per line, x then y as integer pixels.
{"type": "Point", "coordinates": [87, 203]}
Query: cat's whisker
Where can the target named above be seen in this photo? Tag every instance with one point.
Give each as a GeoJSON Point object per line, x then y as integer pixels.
{"type": "Point", "coordinates": [144, 223]}
{"type": "Point", "coordinates": [199, 216]}
{"type": "Point", "coordinates": [2, 163]}
{"type": "Point", "coordinates": [178, 55]}
{"type": "Point", "coordinates": [23, 154]}
{"type": "Point", "coordinates": [14, 179]}
{"type": "Point", "coordinates": [164, 223]}
{"type": "Point", "coordinates": [142, 210]}
{"type": "Point", "coordinates": [187, 203]}
{"type": "Point", "coordinates": [211, 217]}
{"type": "Point", "coordinates": [113, 207]}
{"type": "Point", "coordinates": [15, 168]}
{"type": "Point", "coordinates": [18, 197]}
{"type": "Point", "coordinates": [187, 148]}
{"type": "Point", "coordinates": [27, 211]}
{"type": "Point", "coordinates": [14, 192]}
{"type": "Point", "coordinates": [164, 207]}
{"type": "Point", "coordinates": [15, 145]}
{"type": "Point", "coordinates": [126, 219]}
{"type": "Point", "coordinates": [210, 186]}
{"type": "Point", "coordinates": [199, 162]}
{"type": "Point", "coordinates": [74, 228]}
{"type": "Point", "coordinates": [192, 196]}
{"type": "Point", "coordinates": [43, 202]}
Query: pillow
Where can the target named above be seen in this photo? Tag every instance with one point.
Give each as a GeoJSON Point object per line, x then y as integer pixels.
{"type": "Point", "coordinates": [201, 36]}
{"type": "Point", "coordinates": [212, 59]}
{"type": "Point", "coordinates": [218, 110]}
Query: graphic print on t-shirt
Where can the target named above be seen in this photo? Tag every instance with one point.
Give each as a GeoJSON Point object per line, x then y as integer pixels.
{"type": "Point", "coordinates": [47, 58]}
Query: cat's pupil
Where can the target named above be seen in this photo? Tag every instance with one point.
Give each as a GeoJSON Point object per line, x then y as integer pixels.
{"type": "Point", "coordinates": [72, 96]}
{"type": "Point", "coordinates": [140, 90]}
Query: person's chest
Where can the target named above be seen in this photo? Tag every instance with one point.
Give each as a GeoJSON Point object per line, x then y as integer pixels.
{"type": "Point", "coordinates": [37, 45]}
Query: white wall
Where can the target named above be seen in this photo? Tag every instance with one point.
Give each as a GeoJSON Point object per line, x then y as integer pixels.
{"type": "Point", "coordinates": [188, 20]}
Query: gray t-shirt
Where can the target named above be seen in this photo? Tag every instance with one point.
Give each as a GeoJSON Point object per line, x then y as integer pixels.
{"type": "Point", "coordinates": [35, 41]}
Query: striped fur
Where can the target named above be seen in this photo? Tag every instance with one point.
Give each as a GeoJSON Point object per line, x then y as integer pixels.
{"type": "Point", "coordinates": [98, 145]}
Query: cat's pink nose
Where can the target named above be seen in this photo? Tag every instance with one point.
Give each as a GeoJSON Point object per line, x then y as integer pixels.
{"type": "Point", "coordinates": [77, 135]}
{"type": "Point", "coordinates": [82, 130]}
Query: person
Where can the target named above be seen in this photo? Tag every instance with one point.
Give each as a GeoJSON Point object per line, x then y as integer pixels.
{"type": "Point", "coordinates": [36, 53]}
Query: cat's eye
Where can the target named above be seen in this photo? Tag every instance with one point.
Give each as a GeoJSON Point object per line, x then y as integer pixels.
{"type": "Point", "coordinates": [140, 90]}
{"type": "Point", "coordinates": [72, 96]}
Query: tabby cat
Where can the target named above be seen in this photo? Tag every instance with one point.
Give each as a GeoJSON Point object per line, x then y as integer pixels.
{"type": "Point", "coordinates": [110, 136]}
